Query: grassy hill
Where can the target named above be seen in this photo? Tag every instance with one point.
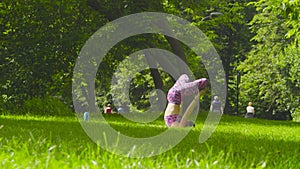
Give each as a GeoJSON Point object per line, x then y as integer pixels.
{"type": "Point", "coordinates": [51, 142]}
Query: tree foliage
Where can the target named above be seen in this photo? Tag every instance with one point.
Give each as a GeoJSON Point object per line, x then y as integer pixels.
{"type": "Point", "coordinates": [271, 70]}
{"type": "Point", "coordinates": [41, 40]}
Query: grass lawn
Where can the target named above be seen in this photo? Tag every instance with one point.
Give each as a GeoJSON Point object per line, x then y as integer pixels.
{"type": "Point", "coordinates": [60, 142]}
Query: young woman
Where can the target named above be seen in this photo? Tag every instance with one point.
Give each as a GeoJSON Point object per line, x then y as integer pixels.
{"type": "Point", "coordinates": [181, 89]}
{"type": "Point", "coordinates": [250, 111]}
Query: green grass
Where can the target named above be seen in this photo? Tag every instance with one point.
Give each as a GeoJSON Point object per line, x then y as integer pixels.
{"type": "Point", "coordinates": [60, 142]}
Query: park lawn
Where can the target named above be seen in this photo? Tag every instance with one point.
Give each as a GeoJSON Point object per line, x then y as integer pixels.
{"type": "Point", "coordinates": [60, 142]}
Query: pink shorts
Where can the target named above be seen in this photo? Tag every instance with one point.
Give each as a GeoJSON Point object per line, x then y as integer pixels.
{"type": "Point", "coordinates": [169, 120]}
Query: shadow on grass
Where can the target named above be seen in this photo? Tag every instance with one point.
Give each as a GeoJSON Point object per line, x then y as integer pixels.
{"type": "Point", "coordinates": [258, 121]}
{"type": "Point", "coordinates": [27, 128]}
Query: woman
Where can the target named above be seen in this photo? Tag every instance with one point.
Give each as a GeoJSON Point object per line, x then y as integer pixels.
{"type": "Point", "coordinates": [216, 106]}
{"type": "Point", "coordinates": [108, 109]}
{"type": "Point", "coordinates": [250, 111]}
{"type": "Point", "coordinates": [181, 89]}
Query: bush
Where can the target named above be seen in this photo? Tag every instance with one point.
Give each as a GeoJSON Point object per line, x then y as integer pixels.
{"type": "Point", "coordinates": [49, 106]}
{"type": "Point", "coordinates": [2, 108]}
{"type": "Point", "coordinates": [6, 106]}
{"type": "Point", "coordinates": [296, 115]}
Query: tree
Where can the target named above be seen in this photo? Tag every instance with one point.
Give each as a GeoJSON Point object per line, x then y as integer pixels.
{"type": "Point", "coordinates": [225, 24]}
{"type": "Point", "coordinates": [228, 32]}
{"type": "Point", "coordinates": [269, 72]}
{"type": "Point", "coordinates": [40, 42]}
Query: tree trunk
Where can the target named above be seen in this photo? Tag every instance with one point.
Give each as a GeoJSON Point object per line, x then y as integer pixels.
{"type": "Point", "coordinates": [176, 48]}
{"type": "Point", "coordinates": [158, 83]}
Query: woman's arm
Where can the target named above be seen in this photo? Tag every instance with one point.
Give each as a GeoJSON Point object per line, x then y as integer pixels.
{"type": "Point", "coordinates": [222, 110]}
{"type": "Point", "coordinates": [188, 111]}
{"type": "Point", "coordinates": [191, 108]}
{"type": "Point", "coordinates": [211, 108]}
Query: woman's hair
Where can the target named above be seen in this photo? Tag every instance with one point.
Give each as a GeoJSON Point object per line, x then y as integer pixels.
{"type": "Point", "coordinates": [250, 104]}
{"type": "Point", "coordinates": [216, 98]}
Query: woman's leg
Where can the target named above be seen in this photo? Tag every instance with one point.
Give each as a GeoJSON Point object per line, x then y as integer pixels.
{"type": "Point", "coordinates": [187, 88]}
{"type": "Point", "coordinates": [183, 88]}
{"type": "Point", "coordinates": [191, 88]}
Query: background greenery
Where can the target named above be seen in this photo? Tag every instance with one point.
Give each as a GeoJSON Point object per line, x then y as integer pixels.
{"type": "Point", "coordinates": [41, 40]}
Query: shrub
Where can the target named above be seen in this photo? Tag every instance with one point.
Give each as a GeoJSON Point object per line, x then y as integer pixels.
{"type": "Point", "coordinates": [6, 105]}
{"type": "Point", "coordinates": [2, 108]}
{"type": "Point", "coordinates": [49, 106]}
{"type": "Point", "coordinates": [296, 115]}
